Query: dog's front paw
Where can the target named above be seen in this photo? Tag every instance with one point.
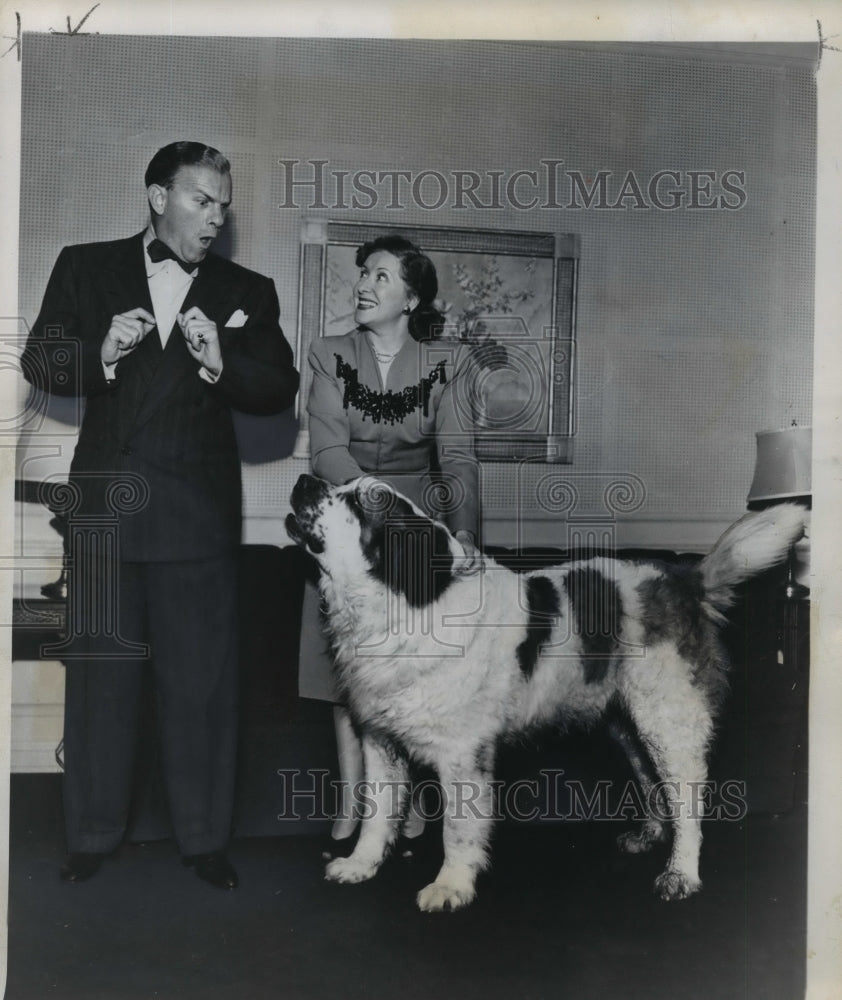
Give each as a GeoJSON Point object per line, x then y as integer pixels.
{"type": "Point", "coordinates": [445, 896]}
{"type": "Point", "coordinates": [673, 885]}
{"type": "Point", "coordinates": [351, 869]}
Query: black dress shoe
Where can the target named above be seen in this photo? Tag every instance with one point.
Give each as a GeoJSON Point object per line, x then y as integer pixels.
{"type": "Point", "coordinates": [422, 847]}
{"type": "Point", "coordinates": [215, 869]}
{"type": "Point", "coordinates": [80, 866]}
{"type": "Point", "coordinates": [339, 847]}
{"type": "Point", "coordinates": [406, 847]}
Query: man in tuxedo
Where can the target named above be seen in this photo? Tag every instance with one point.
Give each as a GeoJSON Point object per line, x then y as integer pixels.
{"type": "Point", "coordinates": [163, 339]}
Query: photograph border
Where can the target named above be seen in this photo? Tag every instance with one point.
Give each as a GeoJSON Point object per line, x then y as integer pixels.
{"type": "Point", "coordinates": [616, 21]}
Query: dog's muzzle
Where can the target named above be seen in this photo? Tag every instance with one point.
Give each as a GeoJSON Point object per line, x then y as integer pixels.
{"type": "Point", "coordinates": [294, 530]}
{"type": "Point", "coordinates": [307, 495]}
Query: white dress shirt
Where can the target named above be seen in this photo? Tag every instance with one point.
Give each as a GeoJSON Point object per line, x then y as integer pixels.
{"type": "Point", "coordinates": [169, 284]}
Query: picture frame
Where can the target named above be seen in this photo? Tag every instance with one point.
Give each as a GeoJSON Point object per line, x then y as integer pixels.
{"type": "Point", "coordinates": [510, 294]}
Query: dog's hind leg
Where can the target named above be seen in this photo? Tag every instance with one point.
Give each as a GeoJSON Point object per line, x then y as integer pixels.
{"type": "Point", "coordinates": [385, 793]}
{"type": "Point", "coordinates": [674, 722]}
{"type": "Point", "coordinates": [468, 821]}
{"type": "Point", "coordinates": [651, 831]}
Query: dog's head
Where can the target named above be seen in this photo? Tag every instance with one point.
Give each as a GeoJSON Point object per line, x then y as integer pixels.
{"type": "Point", "coordinates": [366, 527]}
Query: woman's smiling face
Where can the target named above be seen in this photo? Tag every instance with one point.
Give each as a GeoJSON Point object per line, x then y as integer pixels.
{"type": "Point", "coordinates": [380, 294]}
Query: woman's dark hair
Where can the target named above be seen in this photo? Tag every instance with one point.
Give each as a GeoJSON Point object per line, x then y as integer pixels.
{"type": "Point", "coordinates": [166, 163]}
{"type": "Point", "coordinates": [419, 276]}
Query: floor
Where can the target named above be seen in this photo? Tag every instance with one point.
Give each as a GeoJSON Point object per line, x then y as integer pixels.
{"type": "Point", "coordinates": [560, 914]}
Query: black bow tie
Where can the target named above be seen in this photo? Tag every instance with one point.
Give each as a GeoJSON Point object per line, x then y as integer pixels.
{"type": "Point", "coordinates": [158, 251]}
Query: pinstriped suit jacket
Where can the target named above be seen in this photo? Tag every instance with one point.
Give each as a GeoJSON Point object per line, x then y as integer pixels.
{"type": "Point", "coordinates": [159, 428]}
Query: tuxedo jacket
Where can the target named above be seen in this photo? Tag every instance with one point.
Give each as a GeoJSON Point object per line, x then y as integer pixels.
{"type": "Point", "coordinates": [156, 447]}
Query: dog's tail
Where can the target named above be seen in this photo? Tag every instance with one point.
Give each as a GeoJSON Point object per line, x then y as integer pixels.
{"type": "Point", "coordinates": [755, 543]}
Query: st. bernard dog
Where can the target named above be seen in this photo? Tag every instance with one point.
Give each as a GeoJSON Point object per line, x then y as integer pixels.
{"type": "Point", "coordinates": [441, 667]}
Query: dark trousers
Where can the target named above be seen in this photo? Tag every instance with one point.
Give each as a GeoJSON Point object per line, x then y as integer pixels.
{"type": "Point", "coordinates": [187, 614]}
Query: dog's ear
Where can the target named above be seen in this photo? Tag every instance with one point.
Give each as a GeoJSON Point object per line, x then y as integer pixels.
{"type": "Point", "coordinates": [410, 554]}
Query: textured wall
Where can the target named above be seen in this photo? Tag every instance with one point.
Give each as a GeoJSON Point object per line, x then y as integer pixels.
{"type": "Point", "coordinates": [695, 325]}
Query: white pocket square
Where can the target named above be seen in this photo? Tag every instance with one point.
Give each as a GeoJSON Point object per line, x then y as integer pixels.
{"type": "Point", "coordinates": [238, 318]}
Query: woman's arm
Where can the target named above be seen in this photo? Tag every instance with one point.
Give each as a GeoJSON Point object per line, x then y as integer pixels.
{"type": "Point", "coordinates": [455, 446]}
{"type": "Point", "coordinates": [330, 430]}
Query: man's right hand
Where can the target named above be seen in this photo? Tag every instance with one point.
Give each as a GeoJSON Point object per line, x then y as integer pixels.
{"type": "Point", "coordinates": [127, 330]}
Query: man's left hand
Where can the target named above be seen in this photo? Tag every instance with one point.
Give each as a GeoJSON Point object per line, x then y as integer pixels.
{"type": "Point", "coordinates": [202, 339]}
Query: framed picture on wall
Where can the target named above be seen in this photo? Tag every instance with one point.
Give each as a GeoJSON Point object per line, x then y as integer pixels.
{"type": "Point", "coordinates": [510, 295]}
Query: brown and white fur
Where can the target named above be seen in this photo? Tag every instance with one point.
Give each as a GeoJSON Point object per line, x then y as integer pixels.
{"type": "Point", "coordinates": [441, 667]}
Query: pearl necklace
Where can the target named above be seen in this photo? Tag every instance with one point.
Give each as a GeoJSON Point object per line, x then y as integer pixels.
{"type": "Point", "coordinates": [381, 356]}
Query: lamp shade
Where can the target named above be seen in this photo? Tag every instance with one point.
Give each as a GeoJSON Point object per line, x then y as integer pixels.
{"type": "Point", "coordinates": [783, 467]}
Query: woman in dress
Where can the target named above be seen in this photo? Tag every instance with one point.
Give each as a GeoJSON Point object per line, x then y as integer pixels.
{"type": "Point", "coordinates": [392, 402]}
